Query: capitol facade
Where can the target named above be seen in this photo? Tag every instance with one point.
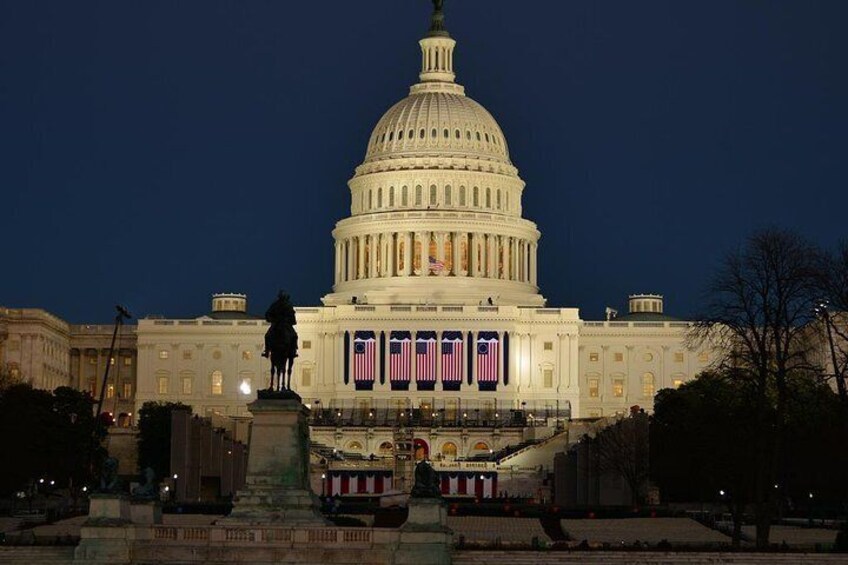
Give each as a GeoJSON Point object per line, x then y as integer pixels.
{"type": "Point", "coordinates": [435, 336]}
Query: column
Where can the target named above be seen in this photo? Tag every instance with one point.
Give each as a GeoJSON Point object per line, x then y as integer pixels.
{"type": "Point", "coordinates": [456, 247]}
{"type": "Point", "coordinates": [351, 256]}
{"type": "Point", "coordinates": [505, 257]}
{"type": "Point", "coordinates": [372, 256]}
{"type": "Point", "coordinates": [501, 366]}
{"type": "Point", "coordinates": [473, 352]}
{"type": "Point", "coordinates": [438, 363]}
{"type": "Point", "coordinates": [389, 271]}
{"type": "Point", "coordinates": [360, 270]}
{"type": "Point", "coordinates": [563, 374]}
{"type": "Point", "coordinates": [407, 254]}
{"type": "Point", "coordinates": [533, 272]}
{"type": "Point", "coordinates": [472, 248]}
{"type": "Point", "coordinates": [491, 258]}
{"type": "Point", "coordinates": [336, 267]}
{"type": "Point", "coordinates": [466, 351]}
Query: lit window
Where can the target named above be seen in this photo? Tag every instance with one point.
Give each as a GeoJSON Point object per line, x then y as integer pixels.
{"type": "Point", "coordinates": [127, 391]}
{"type": "Point", "coordinates": [307, 344]}
{"type": "Point", "coordinates": [548, 378]}
{"type": "Point", "coordinates": [619, 357]}
{"type": "Point", "coordinates": [110, 391]}
{"type": "Point", "coordinates": [163, 354]}
{"type": "Point", "coordinates": [127, 361]}
{"type": "Point", "coordinates": [217, 382]}
{"type": "Point", "coordinates": [93, 360]}
{"type": "Point", "coordinates": [648, 357]}
{"type": "Point", "coordinates": [163, 385]}
{"type": "Point", "coordinates": [187, 384]}
{"type": "Point", "coordinates": [306, 376]}
{"type": "Point", "coordinates": [187, 354]}
{"type": "Point", "coordinates": [549, 346]}
{"type": "Point", "coordinates": [677, 383]}
{"type": "Point", "coordinates": [703, 357]}
{"type": "Point", "coordinates": [246, 386]}
{"type": "Point", "coordinates": [648, 385]}
{"type": "Point", "coordinates": [593, 357]}
{"type": "Point", "coordinates": [247, 355]}
{"type": "Point", "coordinates": [618, 388]}
{"type": "Point", "coordinates": [678, 357]}
{"type": "Point", "coordinates": [593, 388]}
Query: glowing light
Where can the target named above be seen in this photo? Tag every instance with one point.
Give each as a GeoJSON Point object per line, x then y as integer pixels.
{"type": "Point", "coordinates": [245, 387]}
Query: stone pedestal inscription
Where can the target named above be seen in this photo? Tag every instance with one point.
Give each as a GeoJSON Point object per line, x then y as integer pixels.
{"type": "Point", "coordinates": [277, 487]}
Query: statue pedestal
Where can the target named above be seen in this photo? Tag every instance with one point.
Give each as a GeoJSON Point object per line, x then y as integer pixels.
{"type": "Point", "coordinates": [277, 486]}
{"type": "Point", "coordinates": [104, 536]}
{"type": "Point", "coordinates": [425, 538]}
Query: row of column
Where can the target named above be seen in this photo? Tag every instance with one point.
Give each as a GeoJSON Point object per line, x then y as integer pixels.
{"type": "Point", "coordinates": [404, 254]}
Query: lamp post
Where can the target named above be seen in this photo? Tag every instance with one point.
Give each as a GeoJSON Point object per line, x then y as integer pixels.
{"type": "Point", "coordinates": [119, 321]}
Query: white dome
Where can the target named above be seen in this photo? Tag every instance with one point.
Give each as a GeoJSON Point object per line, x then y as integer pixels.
{"type": "Point", "coordinates": [443, 123]}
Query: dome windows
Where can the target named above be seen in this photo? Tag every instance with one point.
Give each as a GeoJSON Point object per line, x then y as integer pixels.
{"type": "Point", "coordinates": [461, 195]}
{"type": "Point", "coordinates": [446, 133]}
{"type": "Point", "coordinates": [432, 195]}
{"type": "Point", "coordinates": [418, 195]}
{"type": "Point", "coordinates": [411, 135]}
{"type": "Point", "coordinates": [404, 197]}
{"type": "Point", "coordinates": [391, 197]}
{"type": "Point", "coordinates": [433, 133]}
{"type": "Point", "coordinates": [391, 135]}
{"type": "Point", "coordinates": [487, 138]}
{"type": "Point", "coordinates": [468, 134]}
{"type": "Point", "coordinates": [400, 134]}
{"type": "Point", "coordinates": [457, 134]}
{"type": "Point", "coordinates": [422, 133]}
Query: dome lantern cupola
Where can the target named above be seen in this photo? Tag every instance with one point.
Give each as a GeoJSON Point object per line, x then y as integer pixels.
{"type": "Point", "coordinates": [437, 50]}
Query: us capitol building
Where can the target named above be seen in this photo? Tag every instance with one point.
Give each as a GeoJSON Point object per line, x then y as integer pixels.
{"type": "Point", "coordinates": [435, 337]}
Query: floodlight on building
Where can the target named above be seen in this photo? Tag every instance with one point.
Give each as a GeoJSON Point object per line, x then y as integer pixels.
{"type": "Point", "coordinates": [245, 387]}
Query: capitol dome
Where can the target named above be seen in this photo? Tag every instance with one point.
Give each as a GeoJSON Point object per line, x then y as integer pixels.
{"type": "Point", "coordinates": [436, 214]}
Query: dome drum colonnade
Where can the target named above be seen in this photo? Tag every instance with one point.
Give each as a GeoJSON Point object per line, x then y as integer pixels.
{"type": "Point", "coordinates": [436, 205]}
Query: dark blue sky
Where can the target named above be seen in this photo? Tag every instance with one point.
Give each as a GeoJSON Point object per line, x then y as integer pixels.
{"type": "Point", "coordinates": [152, 153]}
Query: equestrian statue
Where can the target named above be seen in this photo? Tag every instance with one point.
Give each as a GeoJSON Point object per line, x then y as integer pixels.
{"type": "Point", "coordinates": [281, 342]}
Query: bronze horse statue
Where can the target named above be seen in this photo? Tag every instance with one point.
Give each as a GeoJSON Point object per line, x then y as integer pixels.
{"type": "Point", "coordinates": [281, 342]}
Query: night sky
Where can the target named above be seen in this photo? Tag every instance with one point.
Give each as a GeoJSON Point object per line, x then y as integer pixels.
{"type": "Point", "coordinates": [152, 153]}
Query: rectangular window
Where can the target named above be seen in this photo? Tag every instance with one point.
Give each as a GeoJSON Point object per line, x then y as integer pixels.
{"type": "Point", "coordinates": [593, 388]}
{"type": "Point", "coordinates": [619, 357]}
{"type": "Point", "coordinates": [127, 391]}
{"type": "Point", "coordinates": [247, 355]}
{"type": "Point", "coordinates": [92, 360]}
{"type": "Point", "coordinates": [549, 346]}
{"type": "Point", "coordinates": [703, 357]}
{"type": "Point", "coordinates": [163, 354]}
{"type": "Point", "coordinates": [677, 383]}
{"type": "Point", "coordinates": [127, 361]}
{"type": "Point", "coordinates": [618, 388]}
{"type": "Point", "coordinates": [217, 383]}
{"type": "Point", "coordinates": [187, 385]}
{"type": "Point", "coordinates": [187, 354]}
{"type": "Point", "coordinates": [110, 391]}
{"type": "Point", "coordinates": [306, 376]}
{"type": "Point", "coordinates": [548, 378]}
{"type": "Point", "coordinates": [163, 385]}
{"type": "Point", "coordinates": [678, 357]}
{"type": "Point", "coordinates": [593, 357]}
{"type": "Point", "coordinates": [92, 386]}
{"type": "Point", "coordinates": [307, 344]}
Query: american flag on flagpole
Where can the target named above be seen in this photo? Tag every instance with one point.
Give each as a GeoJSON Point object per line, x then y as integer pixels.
{"type": "Point", "coordinates": [425, 357]}
{"type": "Point", "coordinates": [487, 357]}
{"type": "Point", "coordinates": [436, 266]}
{"type": "Point", "coordinates": [364, 346]}
{"type": "Point", "coordinates": [400, 356]}
{"type": "Point", "coordinates": [451, 357]}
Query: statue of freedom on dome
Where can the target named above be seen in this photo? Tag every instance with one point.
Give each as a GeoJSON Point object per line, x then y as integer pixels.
{"type": "Point", "coordinates": [281, 342]}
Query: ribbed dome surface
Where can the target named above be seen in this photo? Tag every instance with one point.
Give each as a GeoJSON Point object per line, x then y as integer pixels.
{"type": "Point", "coordinates": [437, 122]}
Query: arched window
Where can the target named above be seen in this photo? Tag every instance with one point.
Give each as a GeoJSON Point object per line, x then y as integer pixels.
{"type": "Point", "coordinates": [385, 449]}
{"type": "Point", "coordinates": [457, 134]}
{"type": "Point", "coordinates": [468, 134]}
{"type": "Point", "coordinates": [481, 446]}
{"type": "Point", "coordinates": [433, 132]}
{"type": "Point", "coordinates": [488, 197]}
{"type": "Point", "coordinates": [506, 201]}
{"type": "Point", "coordinates": [487, 138]}
{"type": "Point", "coordinates": [462, 196]}
{"type": "Point", "coordinates": [446, 133]}
{"type": "Point", "coordinates": [498, 200]}
{"type": "Point", "coordinates": [422, 133]}
{"type": "Point", "coordinates": [391, 135]}
{"type": "Point", "coordinates": [404, 196]}
{"type": "Point", "coordinates": [391, 197]}
{"type": "Point", "coordinates": [370, 199]}
{"type": "Point", "coordinates": [418, 195]}
{"type": "Point", "coordinates": [400, 134]}
{"type": "Point", "coordinates": [449, 450]}
{"type": "Point", "coordinates": [648, 386]}
{"type": "Point", "coordinates": [448, 196]}
{"type": "Point", "coordinates": [354, 446]}
{"type": "Point", "coordinates": [478, 136]}
{"type": "Point", "coordinates": [411, 134]}
{"type": "Point", "coordinates": [432, 195]}
{"type": "Point", "coordinates": [217, 382]}
{"type": "Point", "coordinates": [380, 197]}
{"type": "Point", "coordinates": [475, 201]}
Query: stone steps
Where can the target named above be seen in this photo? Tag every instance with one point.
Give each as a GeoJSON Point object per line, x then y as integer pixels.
{"type": "Point", "coordinates": [36, 555]}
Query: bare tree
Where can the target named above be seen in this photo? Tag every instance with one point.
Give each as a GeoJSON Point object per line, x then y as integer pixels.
{"type": "Point", "coordinates": [833, 317]}
{"type": "Point", "coordinates": [623, 448]}
{"type": "Point", "coordinates": [759, 307]}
